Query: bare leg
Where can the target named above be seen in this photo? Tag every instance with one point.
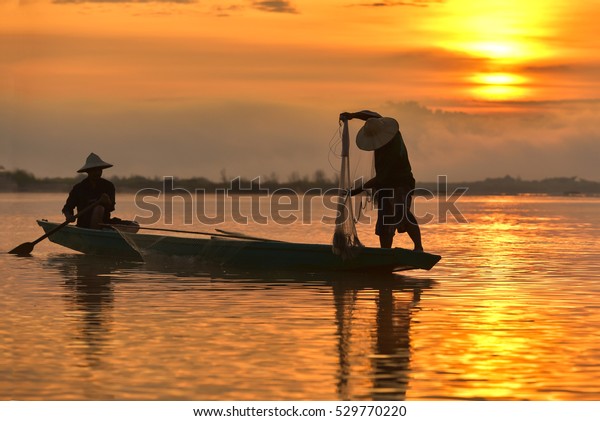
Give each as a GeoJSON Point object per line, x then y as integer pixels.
{"type": "Point", "coordinates": [414, 232]}
{"type": "Point", "coordinates": [386, 240]}
{"type": "Point", "coordinates": [97, 217]}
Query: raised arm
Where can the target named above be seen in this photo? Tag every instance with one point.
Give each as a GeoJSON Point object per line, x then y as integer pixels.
{"type": "Point", "coordinates": [362, 115]}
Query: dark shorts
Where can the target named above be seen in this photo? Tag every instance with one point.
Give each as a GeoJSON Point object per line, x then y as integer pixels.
{"type": "Point", "coordinates": [393, 210]}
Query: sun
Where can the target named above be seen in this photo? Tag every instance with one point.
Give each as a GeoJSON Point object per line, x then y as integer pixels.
{"type": "Point", "coordinates": [508, 30]}
{"type": "Point", "coordinates": [498, 50]}
{"type": "Point", "coordinates": [498, 86]}
{"type": "Point", "coordinates": [503, 37]}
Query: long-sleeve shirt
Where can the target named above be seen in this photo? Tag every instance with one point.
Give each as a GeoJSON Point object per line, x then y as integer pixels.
{"type": "Point", "coordinates": [87, 192]}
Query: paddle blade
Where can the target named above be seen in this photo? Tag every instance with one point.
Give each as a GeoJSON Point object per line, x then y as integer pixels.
{"type": "Point", "coordinates": [24, 249]}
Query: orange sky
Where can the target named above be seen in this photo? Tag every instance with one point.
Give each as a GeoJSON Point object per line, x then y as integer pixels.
{"type": "Point", "coordinates": [190, 87]}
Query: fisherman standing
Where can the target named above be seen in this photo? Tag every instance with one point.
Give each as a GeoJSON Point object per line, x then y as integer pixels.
{"type": "Point", "coordinates": [393, 184]}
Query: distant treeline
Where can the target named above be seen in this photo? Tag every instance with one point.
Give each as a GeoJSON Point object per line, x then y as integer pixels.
{"type": "Point", "coordinates": [24, 181]}
{"type": "Point", "coordinates": [570, 186]}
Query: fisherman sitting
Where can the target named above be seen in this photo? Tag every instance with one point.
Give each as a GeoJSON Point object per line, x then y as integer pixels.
{"type": "Point", "coordinates": [92, 189]}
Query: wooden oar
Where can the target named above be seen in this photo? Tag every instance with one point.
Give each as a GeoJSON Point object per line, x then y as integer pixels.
{"type": "Point", "coordinates": [26, 248]}
{"type": "Point", "coordinates": [212, 234]}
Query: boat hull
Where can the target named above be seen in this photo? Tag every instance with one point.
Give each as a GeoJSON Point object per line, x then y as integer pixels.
{"type": "Point", "coordinates": [91, 241]}
{"type": "Point", "coordinates": [237, 253]}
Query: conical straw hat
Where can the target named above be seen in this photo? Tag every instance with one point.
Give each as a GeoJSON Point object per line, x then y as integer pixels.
{"type": "Point", "coordinates": [376, 132]}
{"type": "Point", "coordinates": [94, 161]}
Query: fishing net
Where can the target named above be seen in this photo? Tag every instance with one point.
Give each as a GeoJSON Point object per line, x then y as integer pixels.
{"type": "Point", "coordinates": [345, 238]}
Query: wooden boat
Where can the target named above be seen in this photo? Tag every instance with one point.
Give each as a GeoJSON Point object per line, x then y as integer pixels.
{"type": "Point", "coordinates": [91, 241]}
{"type": "Point", "coordinates": [236, 253]}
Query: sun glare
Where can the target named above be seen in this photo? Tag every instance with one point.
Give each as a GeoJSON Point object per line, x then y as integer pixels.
{"type": "Point", "coordinates": [499, 86]}
{"type": "Point", "coordinates": [507, 29]}
{"type": "Point", "coordinates": [503, 35]}
{"type": "Point", "coordinates": [496, 49]}
{"type": "Point", "coordinates": [498, 79]}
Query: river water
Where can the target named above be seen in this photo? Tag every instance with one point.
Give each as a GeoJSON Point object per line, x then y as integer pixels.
{"type": "Point", "coordinates": [511, 312]}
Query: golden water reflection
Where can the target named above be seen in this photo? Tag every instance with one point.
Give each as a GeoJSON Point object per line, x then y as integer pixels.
{"type": "Point", "coordinates": [372, 326]}
{"type": "Point", "coordinates": [518, 316]}
{"type": "Point", "coordinates": [372, 319]}
{"type": "Point", "coordinates": [511, 312]}
{"type": "Point", "coordinates": [374, 360]}
{"type": "Point", "coordinates": [89, 295]}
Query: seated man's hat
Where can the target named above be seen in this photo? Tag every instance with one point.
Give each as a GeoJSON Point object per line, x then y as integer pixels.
{"type": "Point", "coordinates": [94, 161]}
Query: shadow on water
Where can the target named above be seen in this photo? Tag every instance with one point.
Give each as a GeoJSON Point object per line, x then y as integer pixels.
{"type": "Point", "coordinates": [395, 298]}
{"type": "Point", "coordinates": [190, 268]}
{"type": "Point", "coordinates": [89, 294]}
{"type": "Point", "coordinates": [373, 313]}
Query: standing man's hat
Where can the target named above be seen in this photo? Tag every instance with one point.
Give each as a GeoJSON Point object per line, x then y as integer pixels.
{"type": "Point", "coordinates": [376, 132]}
{"type": "Point", "coordinates": [94, 161]}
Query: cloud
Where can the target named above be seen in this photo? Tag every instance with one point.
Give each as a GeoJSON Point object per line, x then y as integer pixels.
{"type": "Point", "coordinates": [122, 1]}
{"type": "Point", "coordinates": [543, 142]}
{"type": "Point", "coordinates": [414, 3]}
{"type": "Point", "coordinates": [225, 11]}
{"type": "Point", "coordinates": [278, 6]}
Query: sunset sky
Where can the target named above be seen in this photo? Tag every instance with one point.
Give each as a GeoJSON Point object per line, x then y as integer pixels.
{"type": "Point", "coordinates": [187, 88]}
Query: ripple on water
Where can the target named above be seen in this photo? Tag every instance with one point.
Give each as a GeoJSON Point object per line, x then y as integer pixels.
{"type": "Point", "coordinates": [511, 312]}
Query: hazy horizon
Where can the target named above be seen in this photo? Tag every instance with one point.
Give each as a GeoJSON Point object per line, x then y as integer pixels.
{"type": "Point", "coordinates": [286, 178]}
